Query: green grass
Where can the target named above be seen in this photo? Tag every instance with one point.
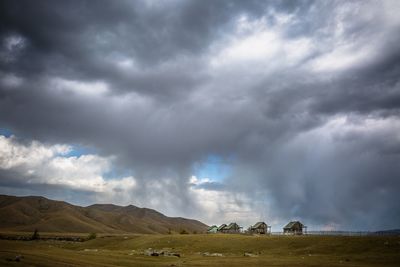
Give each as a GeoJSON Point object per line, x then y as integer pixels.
{"type": "Point", "coordinates": [269, 251]}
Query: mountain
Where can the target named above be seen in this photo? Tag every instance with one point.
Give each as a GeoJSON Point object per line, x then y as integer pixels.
{"type": "Point", "coordinates": [389, 232]}
{"type": "Point", "coordinates": [32, 212]}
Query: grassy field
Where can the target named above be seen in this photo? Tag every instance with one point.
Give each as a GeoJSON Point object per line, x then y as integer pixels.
{"type": "Point", "coordinates": [206, 250]}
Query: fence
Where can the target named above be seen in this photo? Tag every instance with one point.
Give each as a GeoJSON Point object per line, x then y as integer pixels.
{"type": "Point", "coordinates": [342, 233]}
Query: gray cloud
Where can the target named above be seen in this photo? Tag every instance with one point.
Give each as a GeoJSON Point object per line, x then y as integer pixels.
{"type": "Point", "coordinates": [309, 116]}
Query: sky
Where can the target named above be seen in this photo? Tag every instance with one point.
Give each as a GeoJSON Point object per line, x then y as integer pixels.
{"type": "Point", "coordinates": [221, 111]}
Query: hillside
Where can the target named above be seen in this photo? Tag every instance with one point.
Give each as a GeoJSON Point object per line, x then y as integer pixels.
{"type": "Point", "coordinates": [29, 213]}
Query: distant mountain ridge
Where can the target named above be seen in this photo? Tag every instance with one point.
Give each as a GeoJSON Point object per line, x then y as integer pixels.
{"type": "Point", "coordinates": [34, 212]}
{"type": "Point", "coordinates": [389, 232]}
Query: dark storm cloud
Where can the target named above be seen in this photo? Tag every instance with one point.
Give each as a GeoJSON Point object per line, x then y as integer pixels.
{"type": "Point", "coordinates": [73, 38]}
{"type": "Point", "coordinates": [341, 179]}
{"type": "Point", "coordinates": [136, 79]}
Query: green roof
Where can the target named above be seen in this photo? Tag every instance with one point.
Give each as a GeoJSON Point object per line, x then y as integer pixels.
{"type": "Point", "coordinates": [222, 226]}
{"type": "Point", "coordinates": [232, 226]}
{"type": "Point", "coordinates": [212, 227]}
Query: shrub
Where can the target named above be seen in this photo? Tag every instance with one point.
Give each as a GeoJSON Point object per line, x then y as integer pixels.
{"type": "Point", "coordinates": [184, 232]}
{"type": "Point", "coordinates": [91, 236]}
{"type": "Point", "coordinates": [35, 235]}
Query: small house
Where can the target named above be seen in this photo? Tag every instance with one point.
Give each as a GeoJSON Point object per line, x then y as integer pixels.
{"type": "Point", "coordinates": [213, 229]}
{"type": "Point", "coordinates": [232, 228]}
{"type": "Point", "coordinates": [294, 228]}
{"type": "Point", "coordinates": [221, 228]}
{"type": "Point", "coordinates": [260, 228]}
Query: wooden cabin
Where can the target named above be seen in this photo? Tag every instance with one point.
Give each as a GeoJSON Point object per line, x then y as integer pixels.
{"type": "Point", "coordinates": [232, 228]}
{"type": "Point", "coordinates": [260, 228]}
{"type": "Point", "coordinates": [212, 229]}
{"type": "Point", "coordinates": [294, 228]}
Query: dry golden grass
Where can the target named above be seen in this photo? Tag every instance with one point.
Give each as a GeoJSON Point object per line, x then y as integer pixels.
{"type": "Point", "coordinates": [266, 251]}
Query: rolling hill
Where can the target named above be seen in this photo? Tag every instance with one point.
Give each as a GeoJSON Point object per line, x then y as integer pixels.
{"type": "Point", "coordinates": [28, 213]}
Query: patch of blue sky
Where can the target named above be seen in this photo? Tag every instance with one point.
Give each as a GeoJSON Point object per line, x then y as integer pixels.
{"type": "Point", "coordinates": [214, 167]}
{"type": "Point", "coordinates": [78, 150]}
{"type": "Point", "coordinates": [117, 173]}
{"type": "Point", "coordinates": [5, 132]}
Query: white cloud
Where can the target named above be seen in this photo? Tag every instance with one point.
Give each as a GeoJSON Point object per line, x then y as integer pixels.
{"type": "Point", "coordinates": [346, 48]}
{"type": "Point", "coordinates": [15, 155]}
{"type": "Point", "coordinates": [38, 163]}
{"type": "Point", "coordinates": [343, 57]}
{"type": "Point", "coordinates": [126, 64]}
{"type": "Point", "coordinates": [343, 125]}
{"type": "Point", "coordinates": [78, 87]}
{"type": "Point", "coordinates": [257, 44]}
{"type": "Point", "coordinates": [14, 42]}
{"type": "Point", "coordinates": [219, 207]}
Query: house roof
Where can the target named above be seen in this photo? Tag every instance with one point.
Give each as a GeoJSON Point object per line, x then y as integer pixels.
{"type": "Point", "coordinates": [222, 226]}
{"type": "Point", "coordinates": [212, 227]}
{"type": "Point", "coordinates": [232, 226]}
{"type": "Point", "coordinates": [257, 225]}
{"type": "Point", "coordinates": [291, 224]}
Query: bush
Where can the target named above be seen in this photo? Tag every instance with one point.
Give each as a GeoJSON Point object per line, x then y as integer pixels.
{"type": "Point", "coordinates": [35, 235]}
{"type": "Point", "coordinates": [184, 232]}
{"type": "Point", "coordinates": [92, 236]}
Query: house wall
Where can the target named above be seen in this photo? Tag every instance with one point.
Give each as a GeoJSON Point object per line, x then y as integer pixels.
{"type": "Point", "coordinates": [262, 230]}
{"type": "Point", "coordinates": [293, 231]}
{"type": "Point", "coordinates": [297, 228]}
